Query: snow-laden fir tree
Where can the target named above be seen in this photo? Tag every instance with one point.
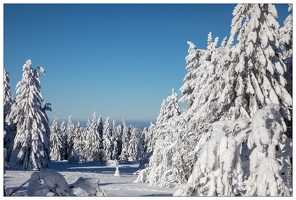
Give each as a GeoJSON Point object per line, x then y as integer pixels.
{"type": "Point", "coordinates": [258, 67]}
{"type": "Point", "coordinates": [92, 150]}
{"type": "Point", "coordinates": [286, 42]}
{"type": "Point", "coordinates": [119, 139]}
{"type": "Point", "coordinates": [164, 160]}
{"type": "Point", "coordinates": [7, 99]}
{"type": "Point", "coordinates": [107, 143]}
{"type": "Point", "coordinates": [63, 132]}
{"type": "Point", "coordinates": [114, 138]}
{"type": "Point", "coordinates": [9, 128]}
{"type": "Point", "coordinates": [140, 145]}
{"type": "Point", "coordinates": [70, 137]}
{"type": "Point", "coordinates": [100, 127]}
{"type": "Point", "coordinates": [78, 148]}
{"type": "Point", "coordinates": [192, 60]}
{"type": "Point", "coordinates": [56, 143]}
{"type": "Point", "coordinates": [126, 134]}
{"type": "Point", "coordinates": [133, 144]}
{"type": "Point", "coordinates": [218, 169]}
{"type": "Point", "coordinates": [169, 108]}
{"type": "Point", "coordinates": [270, 157]}
{"type": "Point", "coordinates": [31, 149]}
{"type": "Point", "coordinates": [242, 157]}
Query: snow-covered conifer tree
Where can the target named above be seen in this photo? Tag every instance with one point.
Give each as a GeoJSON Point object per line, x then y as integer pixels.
{"type": "Point", "coordinates": [78, 148]}
{"type": "Point", "coordinates": [9, 127]}
{"type": "Point", "coordinates": [192, 60]}
{"type": "Point", "coordinates": [257, 60]}
{"type": "Point", "coordinates": [7, 99]}
{"type": "Point", "coordinates": [100, 130]}
{"type": "Point", "coordinates": [286, 42]}
{"type": "Point", "coordinates": [31, 149]}
{"type": "Point", "coordinates": [148, 149]}
{"type": "Point", "coordinates": [56, 144]}
{"type": "Point", "coordinates": [70, 136]}
{"type": "Point", "coordinates": [107, 143]}
{"type": "Point", "coordinates": [140, 145]}
{"type": "Point", "coordinates": [160, 118]}
{"type": "Point", "coordinates": [173, 108]}
{"type": "Point", "coordinates": [119, 139]}
{"type": "Point", "coordinates": [271, 152]}
{"type": "Point", "coordinates": [126, 134]}
{"type": "Point", "coordinates": [286, 35]}
{"type": "Point", "coordinates": [242, 157]}
{"type": "Point", "coordinates": [114, 138]}
{"type": "Point", "coordinates": [92, 141]}
{"type": "Point", "coordinates": [132, 145]}
{"type": "Point", "coordinates": [63, 132]}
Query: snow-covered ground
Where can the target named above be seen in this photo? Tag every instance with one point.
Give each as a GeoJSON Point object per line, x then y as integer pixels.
{"type": "Point", "coordinates": [122, 185]}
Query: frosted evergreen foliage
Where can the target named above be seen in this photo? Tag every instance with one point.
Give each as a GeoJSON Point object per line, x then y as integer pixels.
{"type": "Point", "coordinates": [286, 41]}
{"type": "Point", "coordinates": [212, 73]}
{"type": "Point", "coordinates": [286, 34]}
{"type": "Point", "coordinates": [8, 103]}
{"type": "Point", "coordinates": [115, 139]}
{"type": "Point", "coordinates": [218, 170]}
{"type": "Point", "coordinates": [79, 150]}
{"type": "Point", "coordinates": [192, 61]}
{"type": "Point", "coordinates": [173, 108]}
{"type": "Point", "coordinates": [92, 141]}
{"type": "Point", "coordinates": [232, 83]}
{"type": "Point", "coordinates": [63, 132]}
{"type": "Point", "coordinates": [126, 134]}
{"type": "Point", "coordinates": [7, 99]}
{"type": "Point", "coordinates": [118, 135]}
{"type": "Point", "coordinates": [147, 136]}
{"type": "Point", "coordinates": [259, 67]}
{"type": "Point", "coordinates": [31, 149]}
{"type": "Point", "coordinates": [270, 154]}
{"type": "Point", "coordinates": [56, 144]}
{"type": "Point", "coordinates": [243, 157]}
{"type": "Point", "coordinates": [134, 147]}
{"type": "Point", "coordinates": [70, 136]}
{"type": "Point", "coordinates": [169, 165]}
{"type": "Point", "coordinates": [107, 143]}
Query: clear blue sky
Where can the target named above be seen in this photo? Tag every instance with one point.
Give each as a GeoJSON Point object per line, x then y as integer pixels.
{"type": "Point", "coordinates": [118, 60]}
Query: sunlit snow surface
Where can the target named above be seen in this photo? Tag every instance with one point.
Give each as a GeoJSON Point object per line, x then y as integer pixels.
{"type": "Point", "coordinates": [122, 185]}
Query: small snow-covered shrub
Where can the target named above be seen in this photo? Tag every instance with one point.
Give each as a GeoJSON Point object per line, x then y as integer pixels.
{"type": "Point", "coordinates": [73, 158]}
{"type": "Point", "coordinates": [112, 163]}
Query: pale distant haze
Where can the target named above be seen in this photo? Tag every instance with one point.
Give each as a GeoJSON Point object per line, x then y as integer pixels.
{"type": "Point", "coordinates": [119, 60]}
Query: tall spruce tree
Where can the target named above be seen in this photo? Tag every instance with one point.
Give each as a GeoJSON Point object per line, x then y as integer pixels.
{"type": "Point", "coordinates": [31, 149]}
{"type": "Point", "coordinates": [56, 144]}
{"type": "Point", "coordinates": [92, 141]}
{"type": "Point", "coordinates": [9, 127]}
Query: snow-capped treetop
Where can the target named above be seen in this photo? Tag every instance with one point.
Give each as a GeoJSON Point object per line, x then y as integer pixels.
{"type": "Point", "coordinates": [173, 108]}
{"type": "Point", "coordinates": [70, 125]}
{"type": "Point", "coordinates": [192, 61]}
{"type": "Point", "coordinates": [107, 129]}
